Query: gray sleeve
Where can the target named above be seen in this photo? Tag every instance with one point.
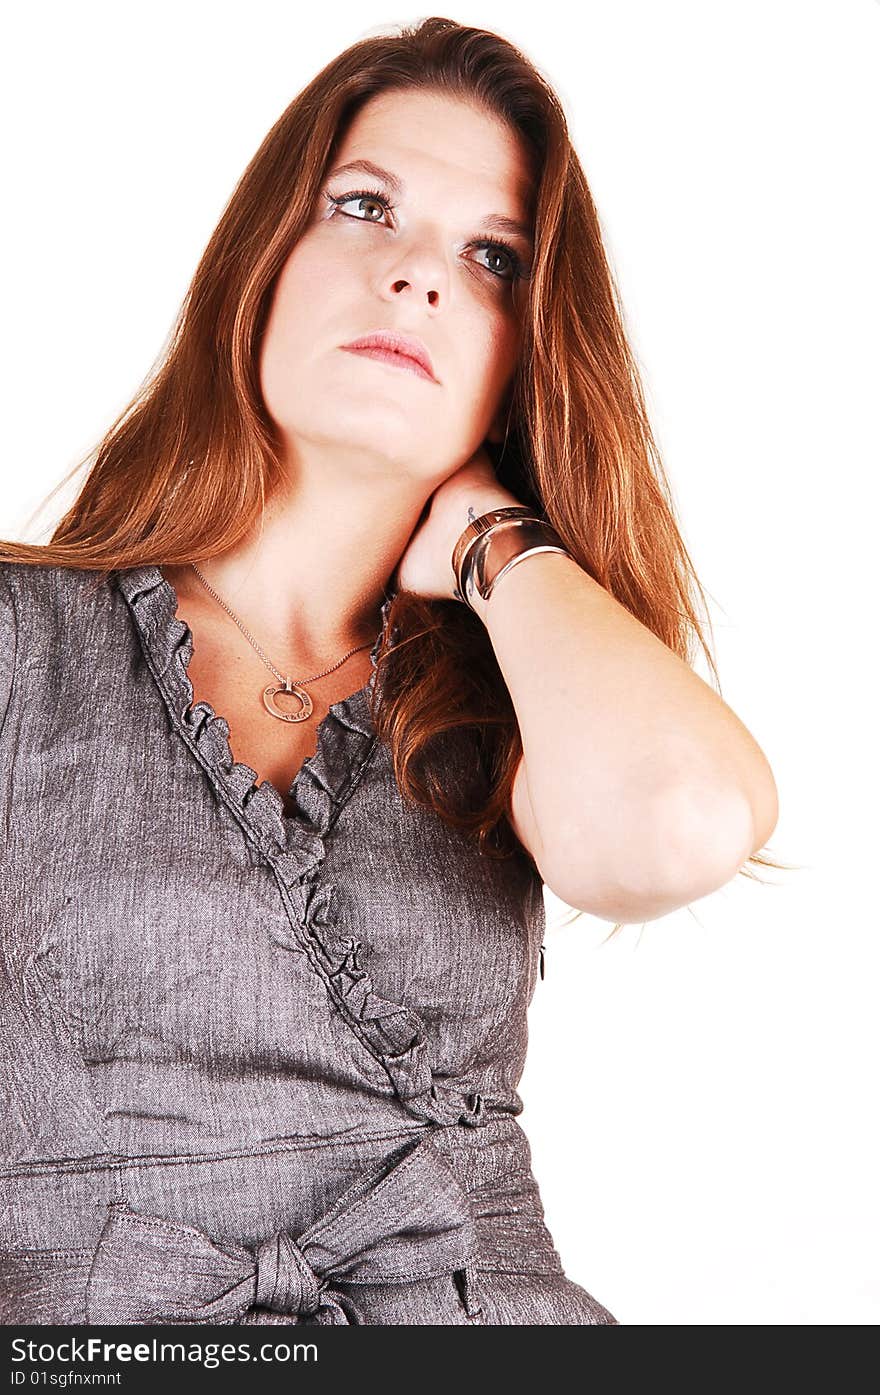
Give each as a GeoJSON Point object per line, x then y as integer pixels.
{"type": "Point", "coordinates": [8, 645]}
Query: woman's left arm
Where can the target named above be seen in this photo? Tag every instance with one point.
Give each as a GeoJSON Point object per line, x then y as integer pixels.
{"type": "Point", "coordinates": [639, 789]}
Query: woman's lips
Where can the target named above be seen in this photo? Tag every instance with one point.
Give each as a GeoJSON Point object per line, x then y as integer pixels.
{"type": "Point", "coordinates": [393, 358]}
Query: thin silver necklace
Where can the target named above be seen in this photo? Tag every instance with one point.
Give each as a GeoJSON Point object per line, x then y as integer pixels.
{"type": "Point", "coordinates": [284, 685]}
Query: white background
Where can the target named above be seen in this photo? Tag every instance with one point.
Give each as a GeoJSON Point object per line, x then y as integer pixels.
{"type": "Point", "coordinates": [701, 1095]}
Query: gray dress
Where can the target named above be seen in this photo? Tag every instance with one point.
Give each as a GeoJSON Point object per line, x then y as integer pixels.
{"type": "Point", "coordinates": [258, 1068]}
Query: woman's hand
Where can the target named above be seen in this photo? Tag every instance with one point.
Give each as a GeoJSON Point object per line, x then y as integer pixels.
{"type": "Point", "coordinates": [426, 564]}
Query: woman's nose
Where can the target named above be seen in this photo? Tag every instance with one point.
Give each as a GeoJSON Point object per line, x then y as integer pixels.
{"type": "Point", "coordinates": [417, 269]}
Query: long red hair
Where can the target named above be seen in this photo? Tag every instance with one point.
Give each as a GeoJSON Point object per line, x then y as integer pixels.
{"type": "Point", "coordinates": [185, 471]}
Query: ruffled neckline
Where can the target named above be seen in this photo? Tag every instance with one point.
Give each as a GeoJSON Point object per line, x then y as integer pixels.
{"type": "Point", "coordinates": [395, 1035]}
{"type": "Point", "coordinates": [294, 844]}
{"type": "Point", "coordinates": [345, 736]}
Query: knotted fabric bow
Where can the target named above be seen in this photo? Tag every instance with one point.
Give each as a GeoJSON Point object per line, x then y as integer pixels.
{"type": "Point", "coordinates": [407, 1219]}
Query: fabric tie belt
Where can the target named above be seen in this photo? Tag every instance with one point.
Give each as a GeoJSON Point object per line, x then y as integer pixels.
{"type": "Point", "coordinates": [407, 1219]}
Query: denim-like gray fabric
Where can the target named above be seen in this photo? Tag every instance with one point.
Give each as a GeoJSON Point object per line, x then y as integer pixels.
{"type": "Point", "coordinates": [258, 1068]}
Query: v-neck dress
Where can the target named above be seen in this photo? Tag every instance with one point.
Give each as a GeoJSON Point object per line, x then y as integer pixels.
{"type": "Point", "coordinates": [259, 1067]}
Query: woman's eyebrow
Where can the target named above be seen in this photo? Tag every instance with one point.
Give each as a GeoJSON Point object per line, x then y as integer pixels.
{"type": "Point", "coordinates": [493, 222]}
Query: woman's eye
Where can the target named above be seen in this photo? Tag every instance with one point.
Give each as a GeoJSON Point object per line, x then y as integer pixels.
{"type": "Point", "coordinates": [363, 198]}
{"type": "Point", "coordinates": [507, 258]}
{"type": "Point", "coordinates": [369, 197]}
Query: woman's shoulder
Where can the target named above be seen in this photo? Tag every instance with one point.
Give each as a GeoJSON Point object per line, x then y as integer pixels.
{"type": "Point", "coordinates": [51, 608]}
{"type": "Point", "coordinates": [60, 635]}
{"type": "Point", "coordinates": [31, 591]}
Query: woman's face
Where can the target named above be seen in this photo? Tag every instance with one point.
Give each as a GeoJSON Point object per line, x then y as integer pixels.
{"type": "Point", "coordinates": [413, 265]}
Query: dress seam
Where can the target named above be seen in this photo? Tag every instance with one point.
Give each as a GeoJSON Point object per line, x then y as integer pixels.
{"type": "Point", "coordinates": [111, 1162]}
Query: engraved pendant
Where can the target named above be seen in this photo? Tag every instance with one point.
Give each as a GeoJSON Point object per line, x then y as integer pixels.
{"type": "Point", "coordinates": [287, 687]}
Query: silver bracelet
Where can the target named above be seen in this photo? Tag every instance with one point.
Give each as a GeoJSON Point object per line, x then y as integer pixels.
{"type": "Point", "coordinates": [495, 550]}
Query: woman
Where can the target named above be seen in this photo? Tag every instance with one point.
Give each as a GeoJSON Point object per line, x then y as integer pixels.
{"type": "Point", "coordinates": [297, 723]}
